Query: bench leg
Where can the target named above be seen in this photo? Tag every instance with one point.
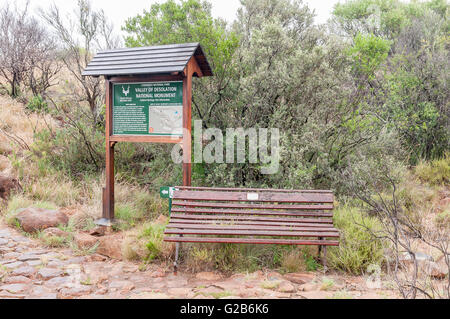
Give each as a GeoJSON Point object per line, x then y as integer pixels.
{"type": "Point", "coordinates": [324, 258]}
{"type": "Point", "coordinates": [323, 250]}
{"type": "Point", "coordinates": [177, 252]}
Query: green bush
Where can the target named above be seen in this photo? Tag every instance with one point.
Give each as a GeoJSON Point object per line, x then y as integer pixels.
{"type": "Point", "coordinates": [436, 172]}
{"type": "Point", "coordinates": [357, 249]}
{"type": "Point", "coordinates": [156, 246]}
{"type": "Point", "coordinates": [37, 104]}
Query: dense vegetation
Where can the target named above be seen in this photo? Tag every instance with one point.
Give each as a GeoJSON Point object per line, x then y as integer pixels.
{"type": "Point", "coordinates": [361, 102]}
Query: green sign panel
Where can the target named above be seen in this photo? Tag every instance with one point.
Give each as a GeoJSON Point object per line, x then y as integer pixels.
{"type": "Point", "coordinates": [153, 108]}
{"type": "Point", "coordinates": [166, 192]}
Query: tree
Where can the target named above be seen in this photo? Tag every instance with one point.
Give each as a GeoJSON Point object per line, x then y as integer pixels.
{"type": "Point", "coordinates": [26, 55]}
{"type": "Point", "coordinates": [411, 88]}
{"type": "Point", "coordinates": [93, 32]}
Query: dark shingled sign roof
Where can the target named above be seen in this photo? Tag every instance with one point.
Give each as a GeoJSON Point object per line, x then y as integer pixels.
{"type": "Point", "coordinates": [162, 59]}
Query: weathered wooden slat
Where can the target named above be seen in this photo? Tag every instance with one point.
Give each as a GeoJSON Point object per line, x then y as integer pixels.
{"type": "Point", "coordinates": [238, 232]}
{"type": "Point", "coordinates": [249, 227]}
{"type": "Point", "coordinates": [250, 212]}
{"type": "Point", "coordinates": [126, 65]}
{"type": "Point", "coordinates": [254, 218]}
{"type": "Point", "coordinates": [253, 206]}
{"type": "Point", "coordinates": [145, 52]}
{"type": "Point", "coordinates": [160, 70]}
{"type": "Point", "coordinates": [245, 222]}
{"type": "Point", "coordinates": [142, 60]}
{"type": "Point", "coordinates": [253, 189]}
{"type": "Point", "coordinates": [251, 241]}
{"type": "Point", "coordinates": [170, 57]}
{"type": "Point", "coordinates": [247, 196]}
{"type": "Point", "coordinates": [156, 47]}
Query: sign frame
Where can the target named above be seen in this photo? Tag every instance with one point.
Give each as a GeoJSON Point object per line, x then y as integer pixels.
{"type": "Point", "coordinates": [192, 68]}
{"type": "Point", "coordinates": [148, 117]}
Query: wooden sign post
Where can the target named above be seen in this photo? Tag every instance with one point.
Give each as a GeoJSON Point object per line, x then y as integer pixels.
{"type": "Point", "coordinates": [148, 99]}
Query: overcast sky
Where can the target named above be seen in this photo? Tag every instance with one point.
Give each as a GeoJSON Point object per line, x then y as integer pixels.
{"type": "Point", "coordinates": [119, 11]}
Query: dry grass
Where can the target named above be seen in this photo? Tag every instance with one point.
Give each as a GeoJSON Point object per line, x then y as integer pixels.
{"type": "Point", "coordinates": [17, 128]}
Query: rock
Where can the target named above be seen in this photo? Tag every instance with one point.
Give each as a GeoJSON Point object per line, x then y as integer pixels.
{"type": "Point", "coordinates": [39, 292]}
{"type": "Point", "coordinates": [17, 280]}
{"type": "Point", "coordinates": [49, 273]}
{"type": "Point", "coordinates": [317, 294]}
{"type": "Point", "coordinates": [277, 294]}
{"type": "Point", "coordinates": [34, 263]}
{"type": "Point", "coordinates": [33, 219]}
{"type": "Point", "coordinates": [85, 241]}
{"type": "Point", "coordinates": [11, 255]}
{"type": "Point", "coordinates": [58, 281]}
{"type": "Point", "coordinates": [97, 277]}
{"type": "Point", "coordinates": [130, 268]}
{"type": "Point", "coordinates": [98, 231]}
{"type": "Point", "coordinates": [158, 273]}
{"type": "Point", "coordinates": [211, 290]}
{"type": "Point", "coordinates": [176, 282]}
{"type": "Point", "coordinates": [299, 278]}
{"type": "Point", "coordinates": [14, 288]}
{"type": "Point", "coordinates": [249, 292]}
{"type": "Point", "coordinates": [96, 257]}
{"type": "Point", "coordinates": [308, 287]}
{"type": "Point", "coordinates": [150, 295]}
{"type": "Point", "coordinates": [123, 285]}
{"type": "Point", "coordinates": [209, 276]}
{"type": "Point", "coordinates": [162, 220]}
{"type": "Point", "coordinates": [3, 241]}
{"type": "Point", "coordinates": [286, 286]}
{"type": "Point", "coordinates": [26, 271]}
{"type": "Point", "coordinates": [179, 292]}
{"type": "Point", "coordinates": [28, 256]}
{"type": "Point", "coordinates": [7, 295]}
{"type": "Point", "coordinates": [111, 246]}
{"type": "Point", "coordinates": [53, 231]}
{"type": "Point", "coordinates": [14, 264]}
{"type": "Point", "coordinates": [7, 185]}
{"type": "Point", "coordinates": [68, 293]}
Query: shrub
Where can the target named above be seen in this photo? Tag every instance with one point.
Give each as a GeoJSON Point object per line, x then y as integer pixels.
{"type": "Point", "coordinates": [37, 104]}
{"type": "Point", "coordinates": [436, 172]}
{"type": "Point", "coordinates": [357, 249]}
{"type": "Point", "coordinates": [156, 246]}
{"type": "Point", "coordinates": [442, 219]}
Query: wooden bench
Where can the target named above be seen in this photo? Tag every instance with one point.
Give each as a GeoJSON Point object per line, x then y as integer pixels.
{"type": "Point", "coordinates": [251, 216]}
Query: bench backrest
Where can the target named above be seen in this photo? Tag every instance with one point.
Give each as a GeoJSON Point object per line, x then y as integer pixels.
{"type": "Point", "coordinates": [317, 204]}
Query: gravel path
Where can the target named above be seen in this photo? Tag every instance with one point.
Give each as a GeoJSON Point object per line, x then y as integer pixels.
{"type": "Point", "coordinates": [28, 270]}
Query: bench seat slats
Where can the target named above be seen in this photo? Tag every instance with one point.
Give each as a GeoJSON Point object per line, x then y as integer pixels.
{"type": "Point", "coordinates": [248, 227]}
{"type": "Point", "coordinates": [250, 212]}
{"type": "Point", "coordinates": [262, 196]}
{"type": "Point", "coordinates": [272, 190]}
{"type": "Point", "coordinates": [254, 218]}
{"type": "Point", "coordinates": [252, 241]}
{"type": "Point", "coordinates": [238, 232]}
{"type": "Point", "coordinates": [245, 222]}
{"type": "Point", "coordinates": [251, 216]}
{"type": "Point", "coordinates": [252, 206]}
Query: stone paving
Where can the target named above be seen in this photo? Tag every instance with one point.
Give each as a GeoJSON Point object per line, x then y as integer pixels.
{"type": "Point", "coordinates": [27, 270]}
